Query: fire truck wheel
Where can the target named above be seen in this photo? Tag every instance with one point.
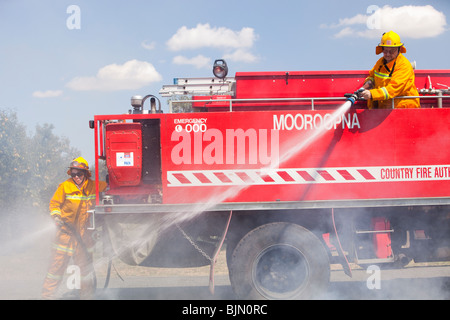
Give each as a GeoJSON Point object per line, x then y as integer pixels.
{"type": "Point", "coordinates": [279, 261]}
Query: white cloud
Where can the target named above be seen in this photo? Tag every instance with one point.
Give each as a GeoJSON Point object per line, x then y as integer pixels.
{"type": "Point", "coordinates": [358, 19]}
{"type": "Point", "coordinates": [203, 35]}
{"type": "Point", "coordinates": [236, 45]}
{"type": "Point", "coordinates": [240, 55]}
{"type": "Point", "coordinates": [408, 21]}
{"type": "Point", "coordinates": [148, 45]}
{"type": "Point", "coordinates": [199, 61]}
{"type": "Point", "coordinates": [47, 94]}
{"type": "Point", "coordinates": [346, 32]}
{"type": "Point", "coordinates": [131, 75]}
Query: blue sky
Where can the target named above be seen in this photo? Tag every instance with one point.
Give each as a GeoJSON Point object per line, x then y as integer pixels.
{"type": "Point", "coordinates": [61, 64]}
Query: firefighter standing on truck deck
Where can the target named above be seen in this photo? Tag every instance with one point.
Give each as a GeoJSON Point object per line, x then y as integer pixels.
{"type": "Point", "coordinates": [392, 76]}
{"type": "Point", "coordinates": [69, 208]}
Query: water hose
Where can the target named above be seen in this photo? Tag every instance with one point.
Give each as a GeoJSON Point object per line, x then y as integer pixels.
{"type": "Point", "coordinates": [80, 241]}
{"type": "Point", "coordinates": [86, 251]}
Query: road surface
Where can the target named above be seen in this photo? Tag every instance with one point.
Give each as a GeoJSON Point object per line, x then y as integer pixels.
{"type": "Point", "coordinates": [411, 283]}
{"type": "Point", "coordinates": [23, 266]}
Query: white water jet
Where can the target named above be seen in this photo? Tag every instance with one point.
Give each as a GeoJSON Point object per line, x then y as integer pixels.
{"type": "Point", "coordinates": [150, 230]}
{"type": "Point", "coordinates": [26, 240]}
{"type": "Point", "coordinates": [316, 133]}
{"type": "Point", "coordinates": [179, 217]}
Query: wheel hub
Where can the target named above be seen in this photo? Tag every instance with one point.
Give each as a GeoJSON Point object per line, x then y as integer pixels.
{"type": "Point", "coordinates": [280, 272]}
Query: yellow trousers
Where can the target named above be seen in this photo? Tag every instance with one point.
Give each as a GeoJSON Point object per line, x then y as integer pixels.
{"type": "Point", "coordinates": [81, 276]}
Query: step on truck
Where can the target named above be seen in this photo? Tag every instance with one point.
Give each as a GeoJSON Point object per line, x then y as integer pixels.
{"type": "Point", "coordinates": [286, 171]}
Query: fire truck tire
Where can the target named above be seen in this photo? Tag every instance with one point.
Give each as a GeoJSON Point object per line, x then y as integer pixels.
{"type": "Point", "coordinates": [279, 261]}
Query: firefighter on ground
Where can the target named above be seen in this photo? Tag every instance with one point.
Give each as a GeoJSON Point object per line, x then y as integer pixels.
{"type": "Point", "coordinates": [69, 209]}
{"type": "Point", "coordinates": [392, 76]}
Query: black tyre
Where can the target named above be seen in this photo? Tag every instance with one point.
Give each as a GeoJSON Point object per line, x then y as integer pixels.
{"type": "Point", "coordinates": [279, 261]}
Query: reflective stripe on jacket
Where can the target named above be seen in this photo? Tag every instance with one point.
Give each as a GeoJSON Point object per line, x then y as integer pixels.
{"type": "Point", "coordinates": [72, 203]}
{"type": "Point", "coordinates": [392, 80]}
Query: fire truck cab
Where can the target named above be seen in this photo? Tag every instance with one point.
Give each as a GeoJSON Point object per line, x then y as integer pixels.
{"type": "Point", "coordinates": [284, 170]}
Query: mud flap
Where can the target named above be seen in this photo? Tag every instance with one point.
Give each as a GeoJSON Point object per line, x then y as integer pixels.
{"type": "Point", "coordinates": [133, 237]}
{"type": "Point", "coordinates": [216, 253]}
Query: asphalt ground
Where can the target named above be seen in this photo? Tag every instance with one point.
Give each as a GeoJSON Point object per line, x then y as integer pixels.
{"type": "Point", "coordinates": [413, 283]}
{"type": "Point", "coordinates": [23, 281]}
{"type": "Point", "coordinates": [24, 262]}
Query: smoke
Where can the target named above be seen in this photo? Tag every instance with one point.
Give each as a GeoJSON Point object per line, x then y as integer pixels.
{"type": "Point", "coordinates": [24, 255]}
{"type": "Point", "coordinates": [415, 282]}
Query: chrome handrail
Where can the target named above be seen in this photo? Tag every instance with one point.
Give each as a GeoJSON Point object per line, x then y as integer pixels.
{"type": "Point", "coordinates": [438, 96]}
{"type": "Point", "coordinates": [312, 99]}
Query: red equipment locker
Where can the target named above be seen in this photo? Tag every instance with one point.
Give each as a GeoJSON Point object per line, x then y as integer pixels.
{"type": "Point", "coordinates": [382, 241]}
{"type": "Point", "coordinates": [123, 146]}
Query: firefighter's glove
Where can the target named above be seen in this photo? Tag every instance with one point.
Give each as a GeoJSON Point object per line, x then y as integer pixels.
{"type": "Point", "coordinates": [366, 95]}
{"type": "Point", "coordinates": [358, 92]}
{"type": "Point", "coordinates": [58, 221]}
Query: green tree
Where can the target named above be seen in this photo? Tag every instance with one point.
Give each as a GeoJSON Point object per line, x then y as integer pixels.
{"type": "Point", "coordinates": [182, 107]}
{"type": "Point", "coordinates": [48, 159]}
{"type": "Point", "coordinates": [31, 167]}
{"type": "Point", "coordinates": [13, 168]}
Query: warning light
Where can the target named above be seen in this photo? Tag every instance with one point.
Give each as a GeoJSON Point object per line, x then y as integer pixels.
{"type": "Point", "coordinates": [220, 69]}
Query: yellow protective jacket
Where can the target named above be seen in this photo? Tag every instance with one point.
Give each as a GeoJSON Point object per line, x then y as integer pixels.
{"type": "Point", "coordinates": [392, 80]}
{"type": "Point", "coordinates": [72, 203]}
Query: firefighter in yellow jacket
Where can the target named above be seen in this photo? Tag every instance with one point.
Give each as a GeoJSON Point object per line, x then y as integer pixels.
{"type": "Point", "coordinates": [69, 208]}
{"type": "Point", "coordinates": [392, 76]}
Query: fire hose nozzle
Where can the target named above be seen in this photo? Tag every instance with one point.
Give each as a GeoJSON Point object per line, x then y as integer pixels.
{"type": "Point", "coordinates": [354, 96]}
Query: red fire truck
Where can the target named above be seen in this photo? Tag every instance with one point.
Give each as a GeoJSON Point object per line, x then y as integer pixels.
{"type": "Point", "coordinates": [282, 171]}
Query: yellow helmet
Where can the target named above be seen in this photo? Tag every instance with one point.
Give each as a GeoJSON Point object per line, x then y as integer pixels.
{"type": "Point", "coordinates": [390, 39]}
{"type": "Point", "coordinates": [81, 164]}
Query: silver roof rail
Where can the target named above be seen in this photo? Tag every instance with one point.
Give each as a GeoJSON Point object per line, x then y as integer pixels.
{"type": "Point", "coordinates": [199, 86]}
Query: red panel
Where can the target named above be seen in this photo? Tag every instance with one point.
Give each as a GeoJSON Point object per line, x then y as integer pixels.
{"type": "Point", "coordinates": [123, 143]}
{"type": "Point", "coordinates": [294, 84]}
{"type": "Point", "coordinates": [284, 155]}
{"type": "Point", "coordinates": [381, 241]}
{"type": "Point", "coordinates": [264, 156]}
